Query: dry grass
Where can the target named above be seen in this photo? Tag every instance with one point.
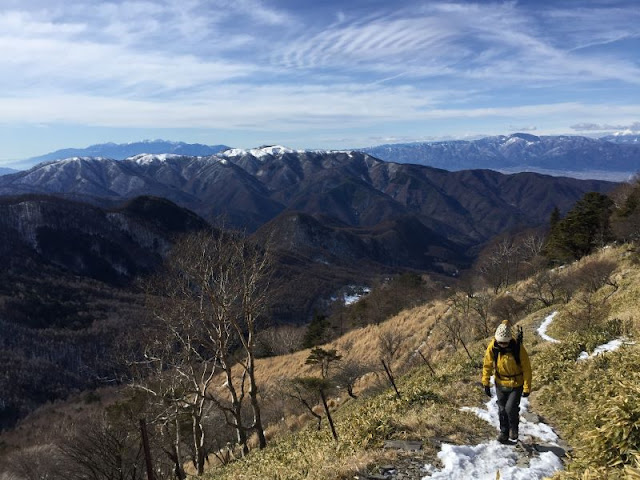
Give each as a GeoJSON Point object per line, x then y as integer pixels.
{"type": "Point", "coordinates": [430, 407]}
{"type": "Point", "coordinates": [360, 345]}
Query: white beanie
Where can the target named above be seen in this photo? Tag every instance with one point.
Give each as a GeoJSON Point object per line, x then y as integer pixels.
{"type": "Point", "coordinates": [503, 332]}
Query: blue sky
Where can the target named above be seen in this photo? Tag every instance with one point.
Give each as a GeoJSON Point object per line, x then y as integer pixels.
{"type": "Point", "coordinates": [312, 74]}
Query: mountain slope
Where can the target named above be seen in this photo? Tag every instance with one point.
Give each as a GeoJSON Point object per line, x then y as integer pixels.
{"type": "Point", "coordinates": [577, 398]}
{"type": "Point", "coordinates": [107, 245]}
{"type": "Point", "coordinates": [253, 187]}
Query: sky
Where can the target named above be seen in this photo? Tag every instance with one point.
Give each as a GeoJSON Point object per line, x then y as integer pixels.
{"type": "Point", "coordinates": [312, 74]}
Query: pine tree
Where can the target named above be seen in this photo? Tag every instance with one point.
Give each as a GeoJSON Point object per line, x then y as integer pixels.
{"type": "Point", "coordinates": [315, 331]}
{"type": "Point", "coordinates": [586, 226]}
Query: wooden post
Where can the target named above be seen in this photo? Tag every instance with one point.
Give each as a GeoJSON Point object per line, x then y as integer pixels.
{"type": "Point", "coordinates": [386, 369]}
{"type": "Point", "coordinates": [328, 413]}
{"type": "Point", "coordinates": [147, 451]}
{"type": "Point", "coordinates": [433, 372]}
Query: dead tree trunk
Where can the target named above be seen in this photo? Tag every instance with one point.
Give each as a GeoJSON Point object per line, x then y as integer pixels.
{"type": "Point", "coordinates": [390, 376]}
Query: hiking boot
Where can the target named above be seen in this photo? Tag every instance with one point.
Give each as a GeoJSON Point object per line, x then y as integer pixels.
{"type": "Point", "coordinates": [513, 434]}
{"type": "Point", "coordinates": [503, 437]}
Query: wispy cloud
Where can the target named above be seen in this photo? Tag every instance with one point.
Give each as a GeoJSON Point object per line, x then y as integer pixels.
{"type": "Point", "coordinates": [271, 64]}
{"type": "Point", "coordinates": [595, 127]}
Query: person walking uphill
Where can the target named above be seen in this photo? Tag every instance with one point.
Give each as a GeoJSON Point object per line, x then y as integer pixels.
{"type": "Point", "coordinates": [507, 359]}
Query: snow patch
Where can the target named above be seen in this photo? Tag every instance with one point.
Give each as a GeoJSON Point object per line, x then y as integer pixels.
{"type": "Point", "coordinates": [528, 428]}
{"type": "Point", "coordinates": [352, 294]}
{"type": "Point", "coordinates": [261, 152]}
{"type": "Point", "coordinates": [542, 329]}
{"type": "Point", "coordinates": [483, 461]}
{"type": "Point", "coordinates": [357, 294]}
{"type": "Point", "coordinates": [611, 346]}
{"type": "Point", "coordinates": [147, 159]}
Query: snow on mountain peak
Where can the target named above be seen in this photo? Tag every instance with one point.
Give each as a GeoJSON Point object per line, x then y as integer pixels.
{"type": "Point", "coordinates": [270, 150]}
{"type": "Point", "coordinates": [146, 158]}
{"type": "Point", "coordinates": [260, 152]}
{"type": "Point", "coordinates": [628, 131]}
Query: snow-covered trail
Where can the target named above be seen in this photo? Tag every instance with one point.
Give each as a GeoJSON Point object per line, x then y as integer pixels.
{"type": "Point", "coordinates": [485, 460]}
{"type": "Point", "coordinates": [607, 347]}
{"type": "Point", "coordinates": [542, 329]}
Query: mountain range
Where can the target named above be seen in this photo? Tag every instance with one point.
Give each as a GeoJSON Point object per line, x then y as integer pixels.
{"type": "Point", "coordinates": [120, 151]}
{"type": "Point", "coordinates": [615, 157]}
{"type": "Point", "coordinates": [352, 189]}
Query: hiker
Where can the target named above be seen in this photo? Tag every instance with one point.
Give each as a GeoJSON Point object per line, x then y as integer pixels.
{"type": "Point", "coordinates": [507, 359]}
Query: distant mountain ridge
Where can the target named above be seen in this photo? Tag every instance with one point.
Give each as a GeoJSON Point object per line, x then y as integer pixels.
{"type": "Point", "coordinates": [613, 157]}
{"type": "Point", "coordinates": [120, 151]}
{"type": "Point", "coordinates": [253, 187]}
{"type": "Point", "coordinates": [574, 156]}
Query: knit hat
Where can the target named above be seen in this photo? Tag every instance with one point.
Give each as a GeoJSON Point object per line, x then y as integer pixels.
{"type": "Point", "coordinates": [503, 332]}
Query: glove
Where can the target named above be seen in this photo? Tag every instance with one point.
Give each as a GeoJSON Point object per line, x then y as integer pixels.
{"type": "Point", "coordinates": [525, 394]}
{"type": "Point", "coordinates": [487, 391]}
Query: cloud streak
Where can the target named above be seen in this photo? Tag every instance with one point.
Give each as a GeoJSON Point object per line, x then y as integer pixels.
{"type": "Point", "coordinates": [594, 127]}
{"type": "Point", "coordinates": [274, 65]}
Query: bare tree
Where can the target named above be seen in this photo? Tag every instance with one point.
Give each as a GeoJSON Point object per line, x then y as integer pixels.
{"type": "Point", "coordinates": [320, 387]}
{"type": "Point", "coordinates": [100, 450]}
{"type": "Point", "coordinates": [545, 287]}
{"type": "Point", "coordinates": [480, 303]}
{"type": "Point", "coordinates": [455, 330]}
{"type": "Point", "coordinates": [389, 344]}
{"type": "Point", "coordinates": [507, 307]}
{"type": "Point", "coordinates": [231, 276]}
{"type": "Point", "coordinates": [598, 285]}
{"type": "Point", "coordinates": [180, 361]}
{"type": "Point", "coordinates": [41, 462]}
{"type": "Point", "coordinates": [298, 390]}
{"type": "Point", "coordinates": [596, 274]}
{"type": "Point", "coordinates": [281, 339]}
{"type": "Point", "coordinates": [498, 263]}
{"type": "Point", "coordinates": [206, 307]}
{"type": "Point", "coordinates": [349, 372]}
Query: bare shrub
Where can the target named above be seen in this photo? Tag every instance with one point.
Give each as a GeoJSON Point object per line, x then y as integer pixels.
{"type": "Point", "coordinates": [348, 373]}
{"type": "Point", "coordinates": [545, 287]}
{"type": "Point", "coordinates": [281, 340]}
{"type": "Point", "coordinates": [595, 274]}
{"type": "Point", "coordinates": [507, 307]}
{"type": "Point", "coordinates": [40, 462]}
{"type": "Point", "coordinates": [456, 331]}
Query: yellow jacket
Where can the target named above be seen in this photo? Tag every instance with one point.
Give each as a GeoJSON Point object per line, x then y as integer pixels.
{"type": "Point", "coordinates": [509, 374]}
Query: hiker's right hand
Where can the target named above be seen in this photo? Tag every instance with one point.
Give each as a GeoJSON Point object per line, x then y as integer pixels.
{"type": "Point", "coordinates": [487, 391]}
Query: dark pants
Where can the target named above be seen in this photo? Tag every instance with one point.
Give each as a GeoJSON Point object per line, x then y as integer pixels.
{"type": "Point", "coordinates": [509, 409]}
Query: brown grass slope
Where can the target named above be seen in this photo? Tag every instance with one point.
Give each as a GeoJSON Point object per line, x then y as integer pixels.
{"type": "Point", "coordinates": [594, 405]}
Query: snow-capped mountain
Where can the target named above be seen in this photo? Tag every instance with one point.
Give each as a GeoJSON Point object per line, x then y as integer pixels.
{"type": "Point", "coordinates": [120, 151]}
{"type": "Point", "coordinates": [626, 137]}
{"type": "Point", "coordinates": [575, 156]}
{"type": "Point", "coordinates": [6, 171]}
{"type": "Point", "coordinates": [255, 186]}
